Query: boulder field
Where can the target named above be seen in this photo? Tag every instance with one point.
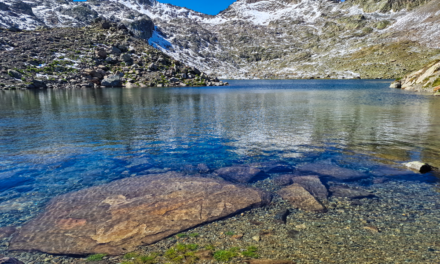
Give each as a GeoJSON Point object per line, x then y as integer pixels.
{"type": "Point", "coordinates": [103, 54]}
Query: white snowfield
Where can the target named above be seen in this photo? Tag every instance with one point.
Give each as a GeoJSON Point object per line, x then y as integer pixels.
{"type": "Point", "coordinates": [224, 44]}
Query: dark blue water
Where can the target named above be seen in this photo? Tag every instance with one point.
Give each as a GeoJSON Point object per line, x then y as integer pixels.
{"type": "Point", "coordinates": [53, 142]}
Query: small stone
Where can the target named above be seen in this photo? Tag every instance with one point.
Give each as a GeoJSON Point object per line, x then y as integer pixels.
{"type": "Point", "coordinates": [301, 226]}
{"type": "Point", "coordinates": [256, 238]}
{"type": "Point", "coordinates": [372, 229]}
{"type": "Point", "coordinates": [237, 236]}
{"type": "Point", "coordinates": [204, 254]}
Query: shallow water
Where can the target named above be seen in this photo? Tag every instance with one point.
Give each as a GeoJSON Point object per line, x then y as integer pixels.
{"type": "Point", "coordinates": [53, 142]}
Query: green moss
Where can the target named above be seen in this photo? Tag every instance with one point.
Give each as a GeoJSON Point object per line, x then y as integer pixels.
{"type": "Point", "coordinates": [96, 257]}
{"type": "Point", "coordinates": [210, 247]}
{"type": "Point", "coordinates": [194, 234]}
{"type": "Point", "coordinates": [229, 233]}
{"type": "Point", "coordinates": [436, 82]}
{"type": "Point", "coordinates": [181, 247]}
{"type": "Point", "coordinates": [181, 235]}
{"type": "Point", "coordinates": [170, 253]}
{"type": "Point", "coordinates": [382, 24]}
{"type": "Point", "coordinates": [131, 255]}
{"type": "Point", "coordinates": [224, 255]}
{"type": "Point", "coordinates": [367, 30]}
{"type": "Point", "coordinates": [192, 247]}
{"type": "Point", "coordinates": [250, 252]}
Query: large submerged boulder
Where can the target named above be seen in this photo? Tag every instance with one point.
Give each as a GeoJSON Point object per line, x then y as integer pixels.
{"type": "Point", "coordinates": [117, 217]}
{"type": "Point", "coordinates": [240, 174]}
{"type": "Point", "coordinates": [333, 171]}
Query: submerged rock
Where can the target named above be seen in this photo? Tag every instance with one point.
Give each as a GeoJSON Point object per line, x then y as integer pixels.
{"type": "Point", "coordinates": [299, 197]}
{"type": "Point", "coordinates": [117, 217]}
{"type": "Point", "coordinates": [333, 171]}
{"type": "Point", "coordinates": [241, 174]}
{"type": "Point", "coordinates": [273, 166]}
{"type": "Point", "coordinates": [10, 261]}
{"type": "Point", "coordinates": [313, 185]}
{"type": "Point", "coordinates": [345, 191]}
{"type": "Point", "coordinates": [283, 180]}
{"type": "Point", "coordinates": [7, 231]}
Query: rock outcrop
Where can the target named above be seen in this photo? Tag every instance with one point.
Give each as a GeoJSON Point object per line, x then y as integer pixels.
{"type": "Point", "coordinates": [423, 80]}
{"type": "Point", "coordinates": [115, 218]}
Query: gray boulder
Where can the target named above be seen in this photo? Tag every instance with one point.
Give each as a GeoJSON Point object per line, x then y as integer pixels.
{"type": "Point", "coordinates": [142, 27]}
{"type": "Point", "coordinates": [125, 57]}
{"type": "Point", "coordinates": [113, 80]}
{"type": "Point", "coordinates": [39, 84]}
{"type": "Point", "coordinates": [115, 51]}
{"type": "Point", "coordinates": [14, 74]}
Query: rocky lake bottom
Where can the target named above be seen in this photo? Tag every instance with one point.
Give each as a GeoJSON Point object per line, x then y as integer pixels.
{"type": "Point", "coordinates": [259, 172]}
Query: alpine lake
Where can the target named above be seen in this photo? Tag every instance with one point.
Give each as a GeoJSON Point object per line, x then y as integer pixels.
{"type": "Point", "coordinates": [55, 142]}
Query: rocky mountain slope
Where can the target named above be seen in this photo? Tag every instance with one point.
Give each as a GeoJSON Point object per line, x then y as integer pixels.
{"type": "Point", "coordinates": [104, 54]}
{"type": "Point", "coordinates": [266, 38]}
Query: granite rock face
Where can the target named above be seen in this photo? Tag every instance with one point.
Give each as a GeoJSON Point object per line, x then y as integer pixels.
{"type": "Point", "coordinates": [117, 217]}
{"type": "Point", "coordinates": [300, 198]}
{"type": "Point", "coordinates": [426, 79]}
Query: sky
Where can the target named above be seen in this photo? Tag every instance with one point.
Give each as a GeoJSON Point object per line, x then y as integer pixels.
{"type": "Point", "coordinates": [203, 6]}
{"type": "Point", "coordinates": [211, 8]}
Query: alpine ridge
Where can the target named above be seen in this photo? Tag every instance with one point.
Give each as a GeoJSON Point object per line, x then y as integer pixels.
{"type": "Point", "coordinates": [265, 38]}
